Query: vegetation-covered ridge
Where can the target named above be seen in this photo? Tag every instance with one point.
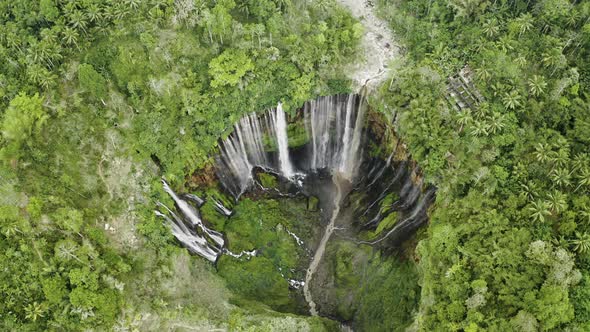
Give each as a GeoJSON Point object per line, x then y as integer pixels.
{"type": "Point", "coordinates": [508, 245]}
{"type": "Point", "coordinates": [101, 98]}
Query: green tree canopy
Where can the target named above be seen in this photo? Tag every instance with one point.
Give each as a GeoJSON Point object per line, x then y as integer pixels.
{"type": "Point", "coordinates": [24, 117]}
{"type": "Point", "coordinates": [229, 67]}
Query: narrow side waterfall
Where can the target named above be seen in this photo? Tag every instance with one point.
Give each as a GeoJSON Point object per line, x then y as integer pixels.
{"type": "Point", "coordinates": [189, 229]}
{"type": "Point", "coordinates": [280, 123]}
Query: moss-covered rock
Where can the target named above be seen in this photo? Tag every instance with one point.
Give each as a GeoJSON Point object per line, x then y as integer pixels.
{"type": "Point", "coordinates": [256, 279]}
{"type": "Point", "coordinates": [267, 180]}
{"type": "Point", "coordinates": [265, 225]}
{"type": "Point", "coordinates": [212, 217]}
{"type": "Point", "coordinates": [388, 295]}
{"type": "Point", "coordinates": [313, 203]}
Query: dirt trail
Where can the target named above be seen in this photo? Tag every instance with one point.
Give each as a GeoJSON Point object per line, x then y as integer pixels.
{"type": "Point", "coordinates": [377, 42]}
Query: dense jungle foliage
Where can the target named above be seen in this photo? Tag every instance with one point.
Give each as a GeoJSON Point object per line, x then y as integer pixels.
{"type": "Point", "coordinates": [508, 246]}
{"type": "Point", "coordinates": [99, 99]}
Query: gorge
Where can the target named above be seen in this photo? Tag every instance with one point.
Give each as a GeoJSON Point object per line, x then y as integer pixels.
{"type": "Point", "coordinates": [335, 150]}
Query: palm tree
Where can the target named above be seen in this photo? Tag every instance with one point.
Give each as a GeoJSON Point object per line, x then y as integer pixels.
{"type": "Point", "coordinates": [11, 230]}
{"type": "Point", "coordinates": [525, 23]}
{"type": "Point", "coordinates": [480, 44]}
{"type": "Point", "coordinates": [549, 59]}
{"type": "Point", "coordinates": [505, 43]}
{"type": "Point", "coordinates": [464, 118]}
{"type": "Point", "coordinates": [35, 72]}
{"type": "Point", "coordinates": [259, 31]}
{"type": "Point", "coordinates": [520, 61]}
{"type": "Point", "coordinates": [34, 310]}
{"type": "Point", "coordinates": [481, 111]}
{"type": "Point", "coordinates": [496, 122]}
{"type": "Point", "coordinates": [528, 190]}
{"type": "Point", "coordinates": [561, 143]}
{"type": "Point", "coordinates": [497, 87]}
{"type": "Point", "coordinates": [581, 243]}
{"type": "Point", "coordinates": [557, 201]}
{"type": "Point", "coordinates": [479, 128]}
{"type": "Point", "coordinates": [102, 27]}
{"type": "Point", "coordinates": [47, 79]}
{"type": "Point", "coordinates": [12, 37]}
{"type": "Point", "coordinates": [323, 6]}
{"type": "Point", "coordinates": [78, 20]}
{"type": "Point", "coordinates": [482, 73]}
{"type": "Point", "coordinates": [561, 177]}
{"type": "Point", "coordinates": [537, 85]}
{"type": "Point", "coordinates": [511, 100]}
{"type": "Point", "coordinates": [539, 210]}
{"type": "Point", "coordinates": [133, 4]}
{"type": "Point", "coordinates": [490, 27]}
{"type": "Point", "coordinates": [542, 152]}
{"type": "Point", "coordinates": [572, 18]}
{"type": "Point", "coordinates": [561, 157]}
{"type": "Point", "coordinates": [583, 178]}
{"type": "Point", "coordinates": [49, 35]}
{"type": "Point", "coordinates": [121, 11]}
{"type": "Point", "coordinates": [93, 13]}
{"type": "Point", "coordinates": [553, 59]}
{"type": "Point", "coordinates": [207, 20]}
{"type": "Point", "coordinates": [41, 75]}
{"type": "Point", "coordinates": [70, 36]}
{"type": "Point", "coordinates": [580, 161]}
{"type": "Point", "coordinates": [244, 8]}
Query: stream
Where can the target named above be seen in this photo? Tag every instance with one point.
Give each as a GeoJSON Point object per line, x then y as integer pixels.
{"type": "Point", "coordinates": [339, 182]}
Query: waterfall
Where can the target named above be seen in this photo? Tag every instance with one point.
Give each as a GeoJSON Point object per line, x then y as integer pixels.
{"type": "Point", "coordinates": [334, 126]}
{"type": "Point", "coordinates": [219, 207]}
{"type": "Point", "coordinates": [195, 199]}
{"type": "Point", "coordinates": [187, 210]}
{"type": "Point", "coordinates": [189, 228]}
{"type": "Point", "coordinates": [193, 242]}
{"type": "Point", "coordinates": [417, 217]}
{"type": "Point", "coordinates": [381, 171]}
{"type": "Point", "coordinates": [245, 149]}
{"type": "Point", "coordinates": [328, 161]}
{"type": "Point", "coordinates": [280, 123]}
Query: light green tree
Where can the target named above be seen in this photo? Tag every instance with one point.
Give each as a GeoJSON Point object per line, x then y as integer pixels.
{"type": "Point", "coordinates": [228, 68]}
{"type": "Point", "coordinates": [23, 118]}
